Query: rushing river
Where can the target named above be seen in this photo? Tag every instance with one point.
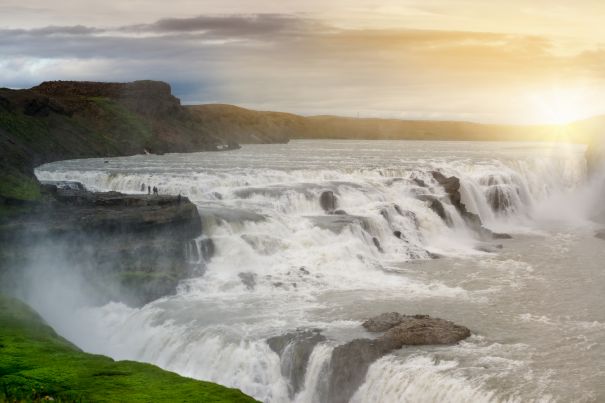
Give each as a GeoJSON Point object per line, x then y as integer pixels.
{"type": "Point", "coordinates": [533, 302]}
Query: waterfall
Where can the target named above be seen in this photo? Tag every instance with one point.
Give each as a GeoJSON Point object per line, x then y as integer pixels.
{"type": "Point", "coordinates": [270, 253]}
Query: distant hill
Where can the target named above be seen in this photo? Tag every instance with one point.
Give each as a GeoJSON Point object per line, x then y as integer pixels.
{"type": "Point", "coordinates": [248, 126]}
{"type": "Point", "coordinates": [244, 125]}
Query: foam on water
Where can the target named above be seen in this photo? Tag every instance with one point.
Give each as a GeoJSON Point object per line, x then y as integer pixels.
{"type": "Point", "coordinates": [260, 206]}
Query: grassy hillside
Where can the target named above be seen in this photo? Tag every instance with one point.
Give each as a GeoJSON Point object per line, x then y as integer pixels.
{"type": "Point", "coordinates": [246, 126]}
{"type": "Point", "coordinates": [63, 120]}
{"type": "Point", "coordinates": [36, 363]}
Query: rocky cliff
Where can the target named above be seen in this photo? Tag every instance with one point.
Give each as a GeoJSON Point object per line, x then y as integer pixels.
{"type": "Point", "coordinates": [66, 119]}
{"type": "Point", "coordinates": [122, 247]}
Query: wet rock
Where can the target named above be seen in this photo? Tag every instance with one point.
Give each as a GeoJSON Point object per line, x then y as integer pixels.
{"type": "Point", "coordinates": [437, 206]}
{"type": "Point", "coordinates": [420, 182]}
{"type": "Point", "coordinates": [351, 361]}
{"type": "Point", "coordinates": [294, 350]}
{"type": "Point", "coordinates": [383, 322]}
{"type": "Point", "coordinates": [340, 212]}
{"type": "Point", "coordinates": [397, 234]}
{"type": "Point", "coordinates": [398, 209]}
{"type": "Point", "coordinates": [498, 198]}
{"type": "Point", "coordinates": [385, 214]}
{"type": "Point", "coordinates": [303, 270]}
{"type": "Point", "coordinates": [424, 330]}
{"type": "Point", "coordinates": [451, 186]}
{"type": "Point", "coordinates": [337, 223]}
{"type": "Point", "coordinates": [248, 279]}
{"type": "Point", "coordinates": [349, 365]}
{"type": "Point", "coordinates": [328, 201]}
{"type": "Point", "coordinates": [377, 244]}
{"type": "Point", "coordinates": [207, 248]}
{"type": "Point", "coordinates": [497, 235]}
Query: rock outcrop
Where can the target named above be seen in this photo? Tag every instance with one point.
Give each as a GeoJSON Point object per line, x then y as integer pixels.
{"type": "Point", "coordinates": [350, 361]}
{"type": "Point", "coordinates": [294, 350]}
{"type": "Point", "coordinates": [132, 248]}
{"type": "Point", "coordinates": [451, 186]}
{"type": "Point", "coordinates": [61, 120]}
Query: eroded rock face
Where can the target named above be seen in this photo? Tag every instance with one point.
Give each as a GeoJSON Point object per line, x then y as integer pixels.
{"type": "Point", "coordinates": [436, 205]}
{"type": "Point", "coordinates": [144, 96]}
{"type": "Point", "coordinates": [133, 248]}
{"type": "Point", "coordinates": [294, 350]}
{"type": "Point", "coordinates": [451, 186]}
{"type": "Point", "coordinates": [328, 201]}
{"type": "Point", "coordinates": [350, 361]}
{"type": "Point", "coordinates": [383, 322]}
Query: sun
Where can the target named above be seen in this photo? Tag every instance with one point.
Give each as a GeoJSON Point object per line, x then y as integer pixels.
{"type": "Point", "coordinates": [558, 106]}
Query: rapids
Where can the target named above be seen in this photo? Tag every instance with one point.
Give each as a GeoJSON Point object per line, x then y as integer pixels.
{"type": "Point", "coordinates": [282, 263]}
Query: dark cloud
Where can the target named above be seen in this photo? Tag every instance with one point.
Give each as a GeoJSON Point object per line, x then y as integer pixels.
{"type": "Point", "coordinates": [232, 25]}
{"type": "Point", "coordinates": [74, 30]}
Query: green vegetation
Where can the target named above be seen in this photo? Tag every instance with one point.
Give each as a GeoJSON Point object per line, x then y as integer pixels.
{"type": "Point", "coordinates": [37, 364]}
{"type": "Point", "coordinates": [128, 126]}
{"type": "Point", "coordinates": [15, 185]}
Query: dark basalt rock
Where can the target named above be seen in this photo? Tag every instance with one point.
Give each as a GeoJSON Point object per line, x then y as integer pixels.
{"type": "Point", "coordinates": [437, 206]}
{"type": "Point", "coordinates": [451, 186]}
{"type": "Point", "coordinates": [498, 199]}
{"type": "Point", "coordinates": [328, 201]}
{"type": "Point", "coordinates": [420, 182]}
{"type": "Point", "coordinates": [383, 322]}
{"type": "Point", "coordinates": [207, 248]}
{"type": "Point", "coordinates": [294, 350]}
{"type": "Point", "coordinates": [340, 212]}
{"type": "Point", "coordinates": [350, 361]}
{"type": "Point", "coordinates": [248, 279]}
{"type": "Point", "coordinates": [377, 244]}
{"type": "Point", "coordinates": [397, 234]}
{"type": "Point", "coordinates": [132, 248]}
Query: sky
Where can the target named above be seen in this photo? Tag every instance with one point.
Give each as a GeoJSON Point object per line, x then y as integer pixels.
{"type": "Point", "coordinates": [523, 62]}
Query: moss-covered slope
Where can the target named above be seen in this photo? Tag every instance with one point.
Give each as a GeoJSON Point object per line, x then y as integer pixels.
{"type": "Point", "coordinates": [35, 363]}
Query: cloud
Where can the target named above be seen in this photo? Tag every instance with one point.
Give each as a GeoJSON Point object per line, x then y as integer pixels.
{"type": "Point", "coordinates": [295, 63]}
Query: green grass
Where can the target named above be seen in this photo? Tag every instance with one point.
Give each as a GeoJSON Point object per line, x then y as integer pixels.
{"type": "Point", "coordinates": [35, 363]}
{"type": "Point", "coordinates": [18, 186]}
{"type": "Point", "coordinates": [122, 124]}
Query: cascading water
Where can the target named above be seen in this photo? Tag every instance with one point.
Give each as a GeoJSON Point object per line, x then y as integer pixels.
{"type": "Point", "coordinates": [275, 261]}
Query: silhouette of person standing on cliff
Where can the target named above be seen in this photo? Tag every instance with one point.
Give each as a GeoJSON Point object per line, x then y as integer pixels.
{"type": "Point", "coordinates": [155, 191]}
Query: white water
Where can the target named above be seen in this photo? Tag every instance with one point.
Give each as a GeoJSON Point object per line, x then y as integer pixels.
{"type": "Point", "coordinates": [260, 207]}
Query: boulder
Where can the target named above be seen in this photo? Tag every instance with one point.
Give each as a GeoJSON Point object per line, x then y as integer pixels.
{"type": "Point", "coordinates": [328, 201]}
{"type": "Point", "coordinates": [383, 322]}
{"type": "Point", "coordinates": [350, 361]}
